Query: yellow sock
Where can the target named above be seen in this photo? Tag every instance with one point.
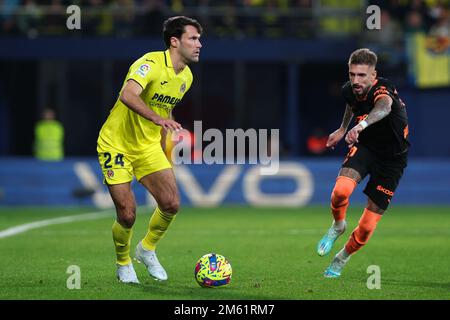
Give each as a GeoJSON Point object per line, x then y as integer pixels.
{"type": "Point", "coordinates": [122, 240]}
{"type": "Point", "coordinates": [159, 222]}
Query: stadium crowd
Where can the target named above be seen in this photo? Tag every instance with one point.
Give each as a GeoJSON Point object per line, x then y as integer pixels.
{"type": "Point", "coordinates": [227, 18]}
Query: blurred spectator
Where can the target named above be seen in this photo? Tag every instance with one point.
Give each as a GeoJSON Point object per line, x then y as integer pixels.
{"type": "Point", "coordinates": [177, 6]}
{"type": "Point", "coordinates": [390, 33]}
{"type": "Point", "coordinates": [388, 42]}
{"type": "Point", "coordinates": [335, 18]}
{"type": "Point", "coordinates": [29, 17]}
{"type": "Point", "coordinates": [272, 18]}
{"type": "Point", "coordinates": [49, 138]}
{"type": "Point", "coordinates": [440, 32]}
{"type": "Point", "coordinates": [441, 28]}
{"type": "Point", "coordinates": [123, 18]}
{"type": "Point", "coordinates": [203, 14]}
{"type": "Point", "coordinates": [7, 19]}
{"type": "Point", "coordinates": [414, 22]}
{"type": "Point", "coordinates": [97, 20]}
{"type": "Point", "coordinates": [55, 18]}
{"type": "Point", "coordinates": [225, 25]}
{"type": "Point", "coordinates": [303, 24]}
{"type": "Point", "coordinates": [151, 18]}
{"type": "Point", "coordinates": [227, 18]}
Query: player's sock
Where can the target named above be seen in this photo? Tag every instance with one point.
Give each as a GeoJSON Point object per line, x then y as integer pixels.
{"type": "Point", "coordinates": [159, 222]}
{"type": "Point", "coordinates": [122, 239]}
{"type": "Point", "coordinates": [343, 255]}
{"type": "Point", "coordinates": [363, 231]}
{"type": "Point", "coordinates": [339, 200]}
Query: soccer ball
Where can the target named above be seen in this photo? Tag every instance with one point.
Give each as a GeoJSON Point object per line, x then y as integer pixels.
{"type": "Point", "coordinates": [213, 270]}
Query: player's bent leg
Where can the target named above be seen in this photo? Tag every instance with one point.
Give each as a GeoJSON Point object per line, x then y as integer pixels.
{"type": "Point", "coordinates": [344, 187]}
{"type": "Point", "coordinates": [340, 196]}
{"type": "Point", "coordinates": [123, 199]}
{"type": "Point", "coordinates": [162, 186]}
{"type": "Point", "coordinates": [125, 204]}
{"type": "Point", "coordinates": [366, 226]}
{"type": "Point", "coordinates": [359, 237]}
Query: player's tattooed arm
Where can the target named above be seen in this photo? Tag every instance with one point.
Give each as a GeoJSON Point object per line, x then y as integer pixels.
{"type": "Point", "coordinates": [336, 136]}
{"type": "Point", "coordinates": [348, 115]}
{"type": "Point", "coordinates": [383, 107]}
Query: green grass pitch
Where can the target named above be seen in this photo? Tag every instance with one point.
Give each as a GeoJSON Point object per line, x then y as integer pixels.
{"type": "Point", "coordinates": [272, 252]}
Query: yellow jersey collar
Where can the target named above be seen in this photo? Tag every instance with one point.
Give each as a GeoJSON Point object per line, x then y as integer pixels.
{"type": "Point", "coordinates": [168, 62]}
{"type": "Point", "coordinates": [167, 59]}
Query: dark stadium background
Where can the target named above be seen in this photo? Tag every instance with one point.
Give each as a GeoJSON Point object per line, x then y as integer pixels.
{"type": "Point", "coordinates": [264, 64]}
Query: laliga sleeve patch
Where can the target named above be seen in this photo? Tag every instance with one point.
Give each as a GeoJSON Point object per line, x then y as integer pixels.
{"type": "Point", "coordinates": [143, 70]}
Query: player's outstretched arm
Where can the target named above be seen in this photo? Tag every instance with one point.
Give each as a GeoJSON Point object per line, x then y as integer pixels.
{"type": "Point", "coordinates": [383, 107]}
{"type": "Point", "coordinates": [336, 136]}
{"type": "Point", "coordinates": [130, 96]}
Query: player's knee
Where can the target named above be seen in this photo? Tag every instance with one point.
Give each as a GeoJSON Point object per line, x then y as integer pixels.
{"type": "Point", "coordinates": [127, 221]}
{"type": "Point", "coordinates": [126, 215]}
{"type": "Point", "coordinates": [341, 192]}
{"type": "Point", "coordinates": [170, 205]}
{"type": "Point", "coordinates": [339, 196]}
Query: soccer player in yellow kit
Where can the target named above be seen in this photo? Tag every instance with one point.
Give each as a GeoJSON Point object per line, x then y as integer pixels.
{"type": "Point", "coordinates": [129, 143]}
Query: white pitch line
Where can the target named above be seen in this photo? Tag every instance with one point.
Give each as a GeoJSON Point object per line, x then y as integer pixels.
{"type": "Point", "coordinates": [43, 223]}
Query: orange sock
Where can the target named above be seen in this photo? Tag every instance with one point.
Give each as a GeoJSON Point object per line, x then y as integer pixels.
{"type": "Point", "coordinates": [339, 197]}
{"type": "Point", "coordinates": [363, 231]}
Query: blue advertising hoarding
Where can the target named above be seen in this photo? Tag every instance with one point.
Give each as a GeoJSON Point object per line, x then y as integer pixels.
{"type": "Point", "coordinates": [300, 182]}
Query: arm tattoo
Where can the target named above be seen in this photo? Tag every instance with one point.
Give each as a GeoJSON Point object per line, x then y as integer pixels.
{"type": "Point", "coordinates": [382, 109]}
{"type": "Point", "coordinates": [348, 115]}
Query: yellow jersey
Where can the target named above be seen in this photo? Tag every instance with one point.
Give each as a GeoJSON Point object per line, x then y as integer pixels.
{"type": "Point", "coordinates": [126, 131]}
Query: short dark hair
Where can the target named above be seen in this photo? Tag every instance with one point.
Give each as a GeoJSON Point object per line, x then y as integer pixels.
{"type": "Point", "coordinates": [174, 27]}
{"type": "Point", "coordinates": [363, 56]}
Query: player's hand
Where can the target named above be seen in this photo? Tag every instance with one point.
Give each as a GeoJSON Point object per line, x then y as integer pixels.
{"type": "Point", "coordinates": [335, 137]}
{"type": "Point", "coordinates": [352, 136]}
{"type": "Point", "coordinates": [168, 124]}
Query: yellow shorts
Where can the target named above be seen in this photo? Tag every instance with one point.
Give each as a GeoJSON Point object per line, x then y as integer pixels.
{"type": "Point", "coordinates": [120, 167]}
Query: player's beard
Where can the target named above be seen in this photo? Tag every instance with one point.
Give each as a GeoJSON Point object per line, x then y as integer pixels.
{"type": "Point", "coordinates": [188, 59]}
{"type": "Point", "coordinates": [363, 92]}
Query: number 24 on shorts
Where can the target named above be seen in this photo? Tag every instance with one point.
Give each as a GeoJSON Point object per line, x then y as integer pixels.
{"type": "Point", "coordinates": [118, 160]}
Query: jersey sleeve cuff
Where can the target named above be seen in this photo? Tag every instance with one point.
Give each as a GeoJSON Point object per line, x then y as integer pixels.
{"type": "Point", "coordinates": [380, 96]}
{"type": "Point", "coordinates": [139, 82]}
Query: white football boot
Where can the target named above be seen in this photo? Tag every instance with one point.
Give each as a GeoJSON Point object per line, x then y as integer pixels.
{"type": "Point", "coordinates": [150, 260]}
{"type": "Point", "coordinates": [335, 268]}
{"type": "Point", "coordinates": [126, 273]}
{"type": "Point", "coordinates": [326, 243]}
